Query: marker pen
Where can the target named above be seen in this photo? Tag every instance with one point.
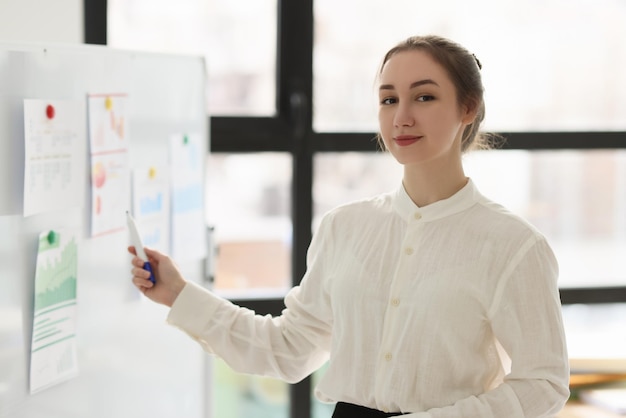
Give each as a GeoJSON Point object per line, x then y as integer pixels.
{"type": "Point", "coordinates": [135, 239]}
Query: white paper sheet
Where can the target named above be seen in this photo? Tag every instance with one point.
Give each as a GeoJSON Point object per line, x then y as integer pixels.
{"type": "Point", "coordinates": [151, 207]}
{"type": "Point", "coordinates": [187, 180]}
{"type": "Point", "coordinates": [54, 155]}
{"type": "Point", "coordinates": [110, 174]}
{"type": "Point", "coordinates": [53, 351]}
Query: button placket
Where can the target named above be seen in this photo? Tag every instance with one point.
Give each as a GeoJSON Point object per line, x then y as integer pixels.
{"type": "Point", "coordinates": [408, 249]}
{"type": "Point", "coordinates": [393, 319]}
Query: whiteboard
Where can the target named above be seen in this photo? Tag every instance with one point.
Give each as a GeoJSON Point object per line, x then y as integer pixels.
{"type": "Point", "coordinates": [131, 364]}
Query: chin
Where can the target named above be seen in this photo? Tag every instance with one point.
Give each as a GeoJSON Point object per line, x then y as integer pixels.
{"type": "Point", "coordinates": [406, 159]}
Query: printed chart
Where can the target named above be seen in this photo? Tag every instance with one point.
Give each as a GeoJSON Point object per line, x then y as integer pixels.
{"type": "Point", "coordinates": [54, 155]}
{"type": "Point", "coordinates": [110, 174]}
{"type": "Point", "coordinates": [187, 177]}
{"type": "Point", "coordinates": [151, 206]}
{"type": "Point", "coordinates": [53, 351]}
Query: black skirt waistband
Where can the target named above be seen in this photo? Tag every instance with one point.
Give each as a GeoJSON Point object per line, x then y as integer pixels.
{"type": "Point", "coordinates": [348, 410]}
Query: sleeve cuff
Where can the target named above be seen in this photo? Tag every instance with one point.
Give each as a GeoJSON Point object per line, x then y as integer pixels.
{"type": "Point", "coordinates": [193, 309]}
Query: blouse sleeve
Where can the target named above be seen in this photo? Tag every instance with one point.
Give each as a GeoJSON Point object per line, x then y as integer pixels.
{"type": "Point", "coordinates": [288, 347]}
{"type": "Point", "coordinates": [526, 320]}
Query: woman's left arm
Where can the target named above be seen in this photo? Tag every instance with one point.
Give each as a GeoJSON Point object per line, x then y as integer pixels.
{"type": "Point", "coordinates": [526, 319]}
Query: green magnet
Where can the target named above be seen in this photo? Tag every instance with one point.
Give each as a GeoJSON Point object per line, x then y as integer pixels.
{"type": "Point", "coordinates": [52, 237]}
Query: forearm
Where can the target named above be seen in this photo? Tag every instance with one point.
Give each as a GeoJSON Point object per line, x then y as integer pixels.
{"type": "Point", "coordinates": [527, 398]}
{"type": "Point", "coordinates": [247, 342]}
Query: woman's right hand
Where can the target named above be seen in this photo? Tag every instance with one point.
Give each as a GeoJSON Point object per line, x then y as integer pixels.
{"type": "Point", "coordinates": [168, 280]}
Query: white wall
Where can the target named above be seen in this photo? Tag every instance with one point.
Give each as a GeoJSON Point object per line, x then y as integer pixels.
{"type": "Point", "coordinates": [53, 21]}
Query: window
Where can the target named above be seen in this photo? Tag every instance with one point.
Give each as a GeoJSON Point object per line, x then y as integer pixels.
{"type": "Point", "coordinates": [248, 199]}
{"type": "Point", "coordinates": [547, 66]}
{"type": "Point", "coordinates": [595, 336]}
{"type": "Point", "coordinates": [237, 395]}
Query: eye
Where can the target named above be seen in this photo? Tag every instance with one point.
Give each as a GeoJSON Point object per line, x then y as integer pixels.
{"type": "Point", "coordinates": [388, 101]}
{"type": "Point", "coordinates": [425, 98]}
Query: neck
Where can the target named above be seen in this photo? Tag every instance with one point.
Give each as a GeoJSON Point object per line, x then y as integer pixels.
{"type": "Point", "coordinates": [426, 184]}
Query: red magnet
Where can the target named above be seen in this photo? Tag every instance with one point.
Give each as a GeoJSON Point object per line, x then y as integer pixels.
{"type": "Point", "coordinates": [50, 111]}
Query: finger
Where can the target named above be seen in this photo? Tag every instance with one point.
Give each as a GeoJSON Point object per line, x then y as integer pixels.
{"type": "Point", "coordinates": [131, 249]}
{"type": "Point", "coordinates": [154, 254]}
{"type": "Point", "coordinates": [137, 262]}
{"type": "Point", "coordinates": [140, 272]}
{"type": "Point", "coordinates": [140, 282]}
{"type": "Point", "coordinates": [142, 289]}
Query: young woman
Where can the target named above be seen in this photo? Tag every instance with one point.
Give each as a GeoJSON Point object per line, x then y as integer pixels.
{"type": "Point", "coordinates": [431, 300]}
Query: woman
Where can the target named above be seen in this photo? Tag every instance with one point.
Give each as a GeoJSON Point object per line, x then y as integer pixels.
{"type": "Point", "coordinates": [430, 301]}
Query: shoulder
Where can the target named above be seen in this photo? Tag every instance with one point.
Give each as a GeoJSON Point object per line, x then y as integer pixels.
{"type": "Point", "coordinates": [356, 216]}
{"type": "Point", "coordinates": [380, 204]}
{"type": "Point", "coordinates": [513, 244]}
{"type": "Point", "coordinates": [502, 223]}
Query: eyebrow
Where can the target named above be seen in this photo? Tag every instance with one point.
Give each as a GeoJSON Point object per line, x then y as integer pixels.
{"type": "Point", "coordinates": [413, 84]}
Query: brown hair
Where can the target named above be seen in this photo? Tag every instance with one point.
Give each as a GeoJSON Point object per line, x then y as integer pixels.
{"type": "Point", "coordinates": [463, 68]}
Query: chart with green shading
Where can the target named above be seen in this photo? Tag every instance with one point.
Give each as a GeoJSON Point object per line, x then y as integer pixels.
{"type": "Point", "coordinates": [56, 276]}
{"type": "Point", "coordinates": [53, 350]}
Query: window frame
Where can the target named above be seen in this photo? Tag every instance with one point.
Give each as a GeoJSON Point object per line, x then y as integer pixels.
{"type": "Point", "coordinates": [291, 130]}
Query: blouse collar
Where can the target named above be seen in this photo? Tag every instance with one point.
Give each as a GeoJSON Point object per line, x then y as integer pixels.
{"type": "Point", "coordinates": [460, 201]}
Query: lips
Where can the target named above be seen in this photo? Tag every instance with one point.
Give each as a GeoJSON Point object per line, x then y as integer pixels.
{"type": "Point", "coordinates": [405, 140]}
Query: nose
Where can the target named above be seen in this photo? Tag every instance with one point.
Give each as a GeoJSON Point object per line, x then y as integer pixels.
{"type": "Point", "coordinates": [403, 116]}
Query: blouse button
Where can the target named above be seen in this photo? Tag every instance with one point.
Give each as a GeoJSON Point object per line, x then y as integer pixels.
{"type": "Point", "coordinates": [388, 356]}
{"type": "Point", "coordinates": [417, 216]}
{"type": "Point", "coordinates": [408, 250]}
{"type": "Point", "coordinates": [395, 301]}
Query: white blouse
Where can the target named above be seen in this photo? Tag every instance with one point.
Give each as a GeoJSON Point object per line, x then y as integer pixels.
{"type": "Point", "coordinates": [447, 310]}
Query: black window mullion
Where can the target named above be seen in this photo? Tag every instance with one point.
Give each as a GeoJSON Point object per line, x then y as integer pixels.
{"type": "Point", "coordinates": [249, 134]}
{"type": "Point", "coordinates": [570, 296]}
{"type": "Point", "coordinates": [294, 100]}
{"type": "Point", "coordinates": [95, 22]}
{"type": "Point", "coordinates": [564, 140]}
{"type": "Point", "coordinates": [366, 141]}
